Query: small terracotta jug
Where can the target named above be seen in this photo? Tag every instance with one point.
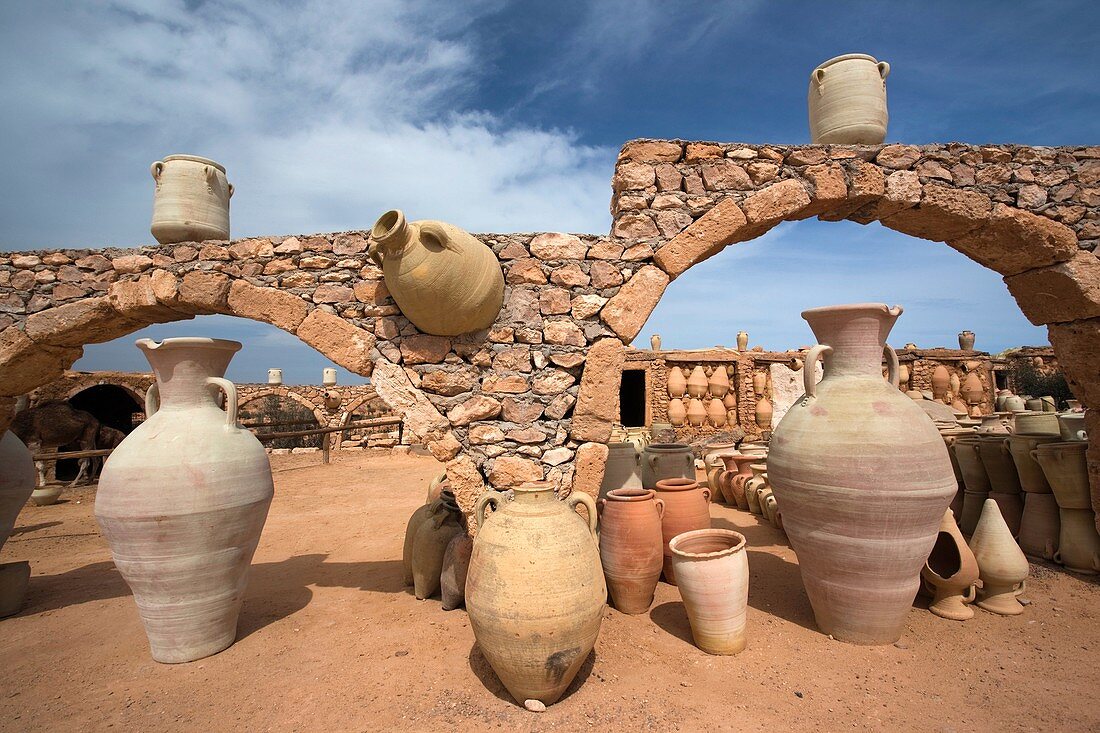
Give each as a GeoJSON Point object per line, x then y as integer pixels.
{"type": "Point", "coordinates": [677, 383]}
{"type": "Point", "coordinates": [687, 507]}
{"type": "Point", "coordinates": [1002, 567]}
{"type": "Point", "coordinates": [966, 340]}
{"type": "Point", "coordinates": [631, 546]}
{"type": "Point", "coordinates": [941, 382]}
{"type": "Point", "coordinates": [759, 383]}
{"type": "Point", "coordinates": [952, 571]}
{"type": "Point", "coordinates": [742, 341]}
{"type": "Point", "coordinates": [713, 571]}
{"type": "Point", "coordinates": [737, 474]}
{"type": "Point", "coordinates": [764, 412]}
{"type": "Point", "coordinates": [697, 383]}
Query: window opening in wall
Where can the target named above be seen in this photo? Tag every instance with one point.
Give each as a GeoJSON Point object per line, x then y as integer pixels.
{"type": "Point", "coordinates": [632, 398]}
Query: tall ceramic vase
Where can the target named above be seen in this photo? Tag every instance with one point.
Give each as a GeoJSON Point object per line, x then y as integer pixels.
{"type": "Point", "coordinates": [535, 590]}
{"type": "Point", "coordinates": [17, 481]}
{"type": "Point", "coordinates": [631, 548]}
{"type": "Point", "coordinates": [183, 499]}
{"type": "Point", "coordinates": [863, 477]}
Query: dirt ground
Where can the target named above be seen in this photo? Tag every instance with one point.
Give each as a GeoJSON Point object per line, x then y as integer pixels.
{"type": "Point", "coordinates": [330, 640]}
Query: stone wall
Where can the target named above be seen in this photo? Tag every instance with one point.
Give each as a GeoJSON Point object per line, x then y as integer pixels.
{"type": "Point", "coordinates": [535, 395]}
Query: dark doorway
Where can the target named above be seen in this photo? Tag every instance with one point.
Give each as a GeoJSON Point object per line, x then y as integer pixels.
{"type": "Point", "coordinates": [113, 406]}
{"type": "Point", "coordinates": [632, 399]}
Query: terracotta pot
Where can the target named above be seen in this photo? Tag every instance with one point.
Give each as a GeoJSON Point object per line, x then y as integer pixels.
{"type": "Point", "coordinates": [713, 571]}
{"type": "Point", "coordinates": [1071, 426]}
{"type": "Point", "coordinates": [857, 465]}
{"type": "Point", "coordinates": [456, 566]}
{"type": "Point", "coordinates": [444, 280]}
{"type": "Point", "coordinates": [182, 500]}
{"type": "Point", "coordinates": [1049, 405]}
{"type": "Point", "coordinates": [1074, 406]}
{"type": "Point", "coordinates": [998, 423]}
{"type": "Point", "coordinates": [952, 571]}
{"type": "Point", "coordinates": [719, 383]}
{"type": "Point", "coordinates": [753, 485]}
{"type": "Point", "coordinates": [847, 101]}
{"type": "Point", "coordinates": [1040, 526]}
{"type": "Point", "coordinates": [1022, 446]}
{"type": "Point", "coordinates": [666, 460]}
{"type": "Point", "coordinates": [432, 538]}
{"type": "Point", "coordinates": [903, 377]}
{"type": "Point", "coordinates": [759, 383]}
{"type": "Point", "coordinates": [764, 413]}
{"type": "Point", "coordinates": [687, 507]}
{"type": "Point", "coordinates": [1067, 473]}
{"type": "Point", "coordinates": [1037, 423]}
{"type": "Point", "coordinates": [737, 474]}
{"type": "Point", "coordinates": [623, 469]}
{"type": "Point", "coordinates": [714, 466]}
{"type": "Point", "coordinates": [966, 340]}
{"type": "Point", "coordinates": [677, 383]}
{"type": "Point", "coordinates": [1078, 542]}
{"type": "Point", "coordinates": [716, 413]}
{"type": "Point", "coordinates": [1014, 403]}
{"type": "Point", "coordinates": [999, 399]}
{"type": "Point", "coordinates": [696, 413]}
{"type": "Point", "coordinates": [191, 201]}
{"type": "Point", "coordinates": [1034, 404]}
{"type": "Point", "coordinates": [655, 342]}
{"type": "Point", "coordinates": [631, 546]}
{"type": "Point", "coordinates": [954, 385]}
{"type": "Point", "coordinates": [46, 496]}
{"type": "Point", "coordinates": [1002, 567]}
{"type": "Point", "coordinates": [950, 435]}
{"type": "Point", "coordinates": [657, 429]}
{"type": "Point", "coordinates": [418, 517]}
{"type": "Point", "coordinates": [677, 412]}
{"type": "Point", "coordinates": [742, 341]}
{"type": "Point", "coordinates": [638, 437]}
{"type": "Point", "coordinates": [697, 383]}
{"type": "Point", "coordinates": [730, 403]}
{"type": "Point", "coordinates": [975, 480]}
{"type": "Point", "coordinates": [535, 592]}
{"type": "Point", "coordinates": [999, 466]}
{"type": "Point", "coordinates": [941, 382]}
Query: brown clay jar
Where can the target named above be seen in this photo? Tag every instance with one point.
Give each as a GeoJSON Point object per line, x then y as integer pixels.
{"type": "Point", "coordinates": [631, 546]}
{"type": "Point", "coordinates": [687, 507]}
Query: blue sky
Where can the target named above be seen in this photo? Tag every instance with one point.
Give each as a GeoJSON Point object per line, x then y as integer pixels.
{"type": "Point", "coordinates": [504, 116]}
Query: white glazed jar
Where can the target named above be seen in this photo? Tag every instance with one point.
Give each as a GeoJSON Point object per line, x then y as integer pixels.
{"type": "Point", "coordinates": [191, 201]}
{"type": "Point", "coordinates": [847, 101]}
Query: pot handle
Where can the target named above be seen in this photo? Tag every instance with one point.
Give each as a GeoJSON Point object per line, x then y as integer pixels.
{"type": "Point", "coordinates": [1034, 455]}
{"type": "Point", "coordinates": [435, 232]}
{"type": "Point", "coordinates": [817, 76]}
{"type": "Point", "coordinates": [230, 390]}
{"type": "Point", "coordinates": [579, 497]}
{"type": "Point", "coordinates": [372, 252]}
{"type": "Point", "coordinates": [815, 353]}
{"type": "Point", "coordinates": [156, 169]}
{"type": "Point", "coordinates": [706, 495]}
{"type": "Point", "coordinates": [231, 189]}
{"type": "Point", "coordinates": [883, 69]}
{"type": "Point", "coordinates": [651, 459]}
{"type": "Point", "coordinates": [493, 498]}
{"type": "Point", "coordinates": [1058, 557]}
{"type": "Point", "coordinates": [892, 365]}
{"type": "Point", "coordinates": [1022, 589]}
{"type": "Point", "coordinates": [660, 507]}
{"type": "Point", "coordinates": [152, 400]}
{"type": "Point", "coordinates": [971, 593]}
{"type": "Point", "coordinates": [1004, 447]}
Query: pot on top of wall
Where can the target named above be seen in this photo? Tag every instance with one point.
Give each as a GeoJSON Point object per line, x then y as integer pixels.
{"type": "Point", "coordinates": [847, 101]}
{"type": "Point", "coordinates": [191, 200]}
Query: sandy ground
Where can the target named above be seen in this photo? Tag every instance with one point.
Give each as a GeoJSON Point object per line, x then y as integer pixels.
{"type": "Point", "coordinates": [329, 640]}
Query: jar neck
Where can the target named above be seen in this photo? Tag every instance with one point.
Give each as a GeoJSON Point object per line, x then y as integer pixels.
{"type": "Point", "coordinates": [857, 335]}
{"type": "Point", "coordinates": [181, 371]}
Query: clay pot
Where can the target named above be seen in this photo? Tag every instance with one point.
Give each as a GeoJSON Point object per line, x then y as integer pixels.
{"type": "Point", "coordinates": [952, 571]}
{"type": "Point", "coordinates": [714, 466]}
{"type": "Point", "coordinates": [1040, 526]}
{"type": "Point", "coordinates": [903, 377]}
{"type": "Point", "coordinates": [975, 481]}
{"type": "Point", "coordinates": [274, 376]}
{"type": "Point", "coordinates": [655, 342]}
{"type": "Point", "coordinates": [949, 436]}
{"type": "Point", "coordinates": [1074, 406]}
{"type": "Point", "coordinates": [666, 460]}
{"type": "Point", "coordinates": [718, 384]}
{"type": "Point", "coordinates": [1071, 426]}
{"type": "Point", "coordinates": [17, 483]}
{"type": "Point", "coordinates": [696, 413]}
{"type": "Point", "coordinates": [677, 383]}
{"type": "Point", "coordinates": [687, 507]}
{"type": "Point", "coordinates": [1012, 508]}
{"type": "Point", "coordinates": [535, 591]}
{"type": "Point", "coordinates": [1078, 542]}
{"type": "Point", "coordinates": [999, 399]}
{"type": "Point", "coordinates": [713, 571]}
{"type": "Point", "coordinates": [638, 437]}
{"type": "Point", "coordinates": [444, 280]}
{"type": "Point", "coordinates": [658, 428]}
{"type": "Point", "coordinates": [418, 517]}
{"type": "Point", "coordinates": [966, 340]}
{"type": "Point", "coordinates": [456, 566]}
{"type": "Point", "coordinates": [730, 403]}
{"type": "Point", "coordinates": [941, 382]}
{"type": "Point", "coordinates": [759, 383]}
{"type": "Point", "coordinates": [191, 201]}
{"type": "Point", "coordinates": [677, 412]}
{"type": "Point", "coordinates": [1034, 404]}
{"type": "Point", "coordinates": [742, 341]}
{"type": "Point", "coordinates": [429, 546]}
{"type": "Point", "coordinates": [996, 424]}
{"type": "Point", "coordinates": [857, 465]}
{"type": "Point", "coordinates": [754, 485]}
{"type": "Point", "coordinates": [1022, 446]}
{"type": "Point", "coordinates": [1048, 403]}
{"type": "Point", "coordinates": [182, 500]}
{"type": "Point", "coordinates": [736, 475]}
{"type": "Point", "coordinates": [764, 413]}
{"type": "Point", "coordinates": [697, 383]}
{"type": "Point", "coordinates": [623, 469]}
{"type": "Point", "coordinates": [1002, 567]}
{"type": "Point", "coordinates": [47, 495]}
{"type": "Point", "coordinates": [1037, 423]}
{"type": "Point", "coordinates": [847, 101]}
{"type": "Point", "coordinates": [1067, 473]}
{"type": "Point", "coordinates": [999, 466]}
{"type": "Point", "coordinates": [954, 386]}
{"type": "Point", "coordinates": [631, 546]}
{"type": "Point", "coordinates": [716, 413]}
{"type": "Point", "coordinates": [972, 390]}
{"type": "Point", "coordinates": [1014, 403]}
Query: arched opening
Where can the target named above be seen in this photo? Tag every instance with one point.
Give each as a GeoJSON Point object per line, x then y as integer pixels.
{"type": "Point", "coordinates": [276, 413]}
{"type": "Point", "coordinates": [114, 406]}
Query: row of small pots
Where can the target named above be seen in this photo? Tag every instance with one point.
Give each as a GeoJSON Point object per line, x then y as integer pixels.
{"type": "Point", "coordinates": [436, 553]}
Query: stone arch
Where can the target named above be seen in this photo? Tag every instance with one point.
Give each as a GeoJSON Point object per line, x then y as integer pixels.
{"type": "Point", "coordinates": [135, 392]}
{"type": "Point", "coordinates": [349, 409]}
{"type": "Point", "coordinates": [259, 394]}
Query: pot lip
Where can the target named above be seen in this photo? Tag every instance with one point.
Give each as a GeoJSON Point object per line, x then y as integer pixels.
{"type": "Point", "coordinates": [1060, 445]}
{"type": "Point", "coordinates": [1053, 437]}
{"type": "Point", "coordinates": [189, 342]}
{"type": "Point", "coordinates": [849, 308]}
{"type": "Point", "coordinates": [534, 487]}
{"type": "Point", "coordinates": [729, 534]}
{"type": "Point", "coordinates": [847, 57]}
{"type": "Point", "coordinates": [631, 495]}
{"type": "Point", "coordinates": [382, 228]}
{"type": "Point", "coordinates": [677, 484]}
{"type": "Point", "coordinates": [622, 445]}
{"type": "Point", "coordinates": [667, 447]}
{"type": "Point", "coordinates": [193, 159]}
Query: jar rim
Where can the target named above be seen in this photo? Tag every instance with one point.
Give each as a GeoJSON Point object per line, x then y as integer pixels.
{"type": "Point", "coordinates": [194, 159]}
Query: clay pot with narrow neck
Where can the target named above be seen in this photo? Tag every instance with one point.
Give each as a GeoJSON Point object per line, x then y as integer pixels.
{"type": "Point", "coordinates": [183, 499]}
{"type": "Point", "coordinates": [764, 412]}
{"type": "Point", "coordinates": [655, 342]}
{"type": "Point", "coordinates": [1078, 541]}
{"type": "Point", "coordinates": [677, 383]}
{"type": "Point", "coordinates": [714, 466]}
{"type": "Point", "coordinates": [191, 201]}
{"type": "Point", "coordinates": [941, 382]}
{"type": "Point", "coordinates": [862, 476]}
{"type": "Point", "coordinates": [535, 591]}
{"type": "Point", "coordinates": [719, 383]}
{"type": "Point", "coordinates": [666, 460]}
{"type": "Point", "coordinates": [713, 571]}
{"type": "Point", "coordinates": [847, 101]}
{"type": "Point", "coordinates": [1040, 526]}
{"type": "Point", "coordinates": [696, 413]}
{"type": "Point", "coordinates": [623, 469]}
{"type": "Point", "coordinates": [966, 340]}
{"type": "Point", "coordinates": [742, 341]}
{"type": "Point", "coordinates": [952, 571]}
{"type": "Point", "coordinates": [1002, 567]}
{"type": "Point", "coordinates": [754, 485]}
{"type": "Point", "coordinates": [429, 546]}
{"type": "Point", "coordinates": [687, 507]}
{"type": "Point", "coordinates": [631, 546]}
{"type": "Point", "coordinates": [444, 279]}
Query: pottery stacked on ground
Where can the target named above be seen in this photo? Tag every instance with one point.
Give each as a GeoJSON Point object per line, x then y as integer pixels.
{"type": "Point", "coordinates": [862, 477]}
{"type": "Point", "coordinates": [183, 499]}
{"type": "Point", "coordinates": [1065, 468]}
{"type": "Point", "coordinates": [1039, 524]}
{"type": "Point", "coordinates": [535, 591]}
{"type": "Point", "coordinates": [631, 546]}
{"type": "Point", "coordinates": [714, 466]}
{"type": "Point", "coordinates": [699, 398]}
{"type": "Point", "coordinates": [17, 481]}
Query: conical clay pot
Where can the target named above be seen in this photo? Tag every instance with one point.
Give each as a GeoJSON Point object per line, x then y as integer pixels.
{"type": "Point", "coordinates": [862, 476]}
{"type": "Point", "coordinates": [183, 499]}
{"type": "Point", "coordinates": [535, 592]}
{"type": "Point", "coordinates": [697, 384]}
{"type": "Point", "coordinates": [952, 571]}
{"type": "Point", "coordinates": [444, 279]}
{"type": "Point", "coordinates": [456, 565]}
{"type": "Point", "coordinates": [631, 547]}
{"type": "Point", "coordinates": [1001, 565]}
{"type": "Point", "coordinates": [764, 411]}
{"type": "Point", "coordinates": [696, 413]}
{"type": "Point", "coordinates": [677, 412]}
{"type": "Point", "coordinates": [712, 569]}
{"type": "Point", "coordinates": [687, 507]}
{"type": "Point", "coordinates": [719, 383]}
{"type": "Point", "coordinates": [716, 413]}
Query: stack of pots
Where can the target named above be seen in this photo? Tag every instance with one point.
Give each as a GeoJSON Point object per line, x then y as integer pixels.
{"type": "Point", "coordinates": [976, 486]}
{"type": "Point", "coordinates": [623, 469]}
{"type": "Point", "coordinates": [1004, 482]}
{"type": "Point", "coordinates": [714, 465]}
{"type": "Point", "coordinates": [950, 435]}
{"type": "Point", "coordinates": [731, 482]}
{"type": "Point", "coordinates": [700, 399]}
{"type": "Point", "coordinates": [1067, 473]}
{"type": "Point", "coordinates": [1039, 525]}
